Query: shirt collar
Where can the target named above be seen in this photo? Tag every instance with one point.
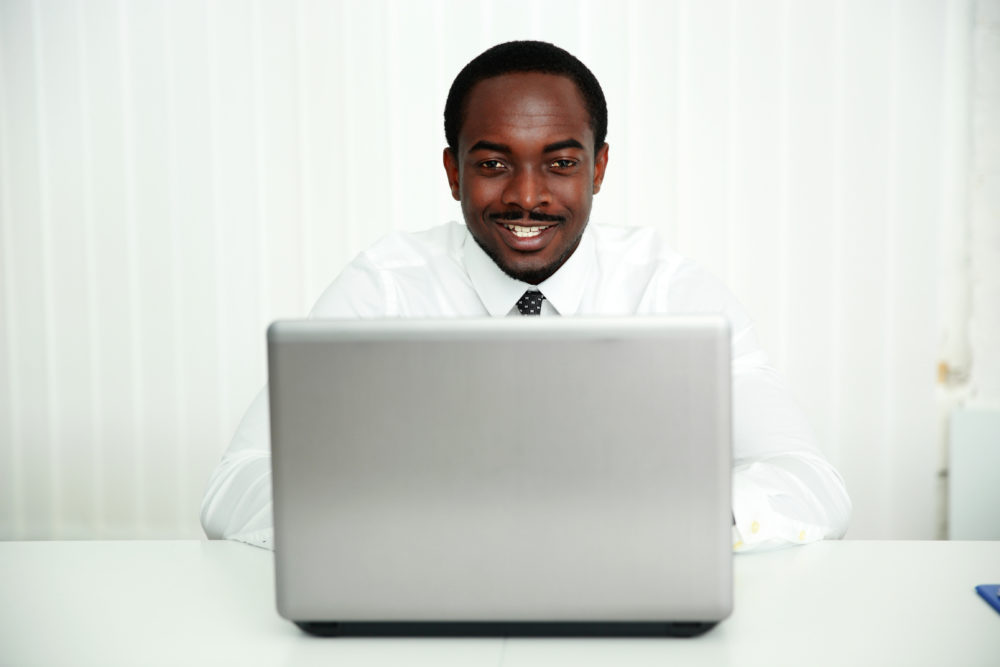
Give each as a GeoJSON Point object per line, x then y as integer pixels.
{"type": "Point", "coordinates": [499, 292]}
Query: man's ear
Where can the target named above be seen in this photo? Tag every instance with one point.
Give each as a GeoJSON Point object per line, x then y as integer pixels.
{"type": "Point", "coordinates": [451, 168]}
{"type": "Point", "coordinates": [600, 164]}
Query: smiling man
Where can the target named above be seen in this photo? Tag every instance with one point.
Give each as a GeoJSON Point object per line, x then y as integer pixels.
{"type": "Point", "coordinates": [525, 124]}
{"type": "Point", "coordinates": [525, 161]}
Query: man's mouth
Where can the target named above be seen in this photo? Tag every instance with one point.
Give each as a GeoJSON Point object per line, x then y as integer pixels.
{"type": "Point", "coordinates": [523, 232]}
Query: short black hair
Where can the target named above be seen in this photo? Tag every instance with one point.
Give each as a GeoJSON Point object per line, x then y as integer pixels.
{"type": "Point", "coordinates": [525, 56]}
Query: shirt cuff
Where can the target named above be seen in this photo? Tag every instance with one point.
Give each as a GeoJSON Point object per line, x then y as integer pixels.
{"type": "Point", "coordinates": [263, 538]}
{"type": "Point", "coordinates": [758, 527]}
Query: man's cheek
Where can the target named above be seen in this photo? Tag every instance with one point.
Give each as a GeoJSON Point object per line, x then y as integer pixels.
{"type": "Point", "coordinates": [481, 200]}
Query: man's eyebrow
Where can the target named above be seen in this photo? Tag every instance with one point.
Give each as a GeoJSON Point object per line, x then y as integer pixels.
{"type": "Point", "coordinates": [484, 145]}
{"type": "Point", "coordinates": [565, 143]}
{"type": "Point", "coordinates": [489, 146]}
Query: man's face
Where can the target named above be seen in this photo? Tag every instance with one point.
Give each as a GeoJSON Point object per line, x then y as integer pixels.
{"type": "Point", "coordinates": [525, 171]}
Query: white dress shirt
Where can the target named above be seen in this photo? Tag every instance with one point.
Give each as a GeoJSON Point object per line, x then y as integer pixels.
{"type": "Point", "coordinates": [784, 490]}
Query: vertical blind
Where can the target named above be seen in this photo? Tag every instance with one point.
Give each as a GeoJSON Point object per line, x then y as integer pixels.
{"type": "Point", "coordinates": [176, 174]}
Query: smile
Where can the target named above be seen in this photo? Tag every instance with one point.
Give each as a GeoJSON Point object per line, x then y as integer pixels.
{"type": "Point", "coordinates": [526, 232]}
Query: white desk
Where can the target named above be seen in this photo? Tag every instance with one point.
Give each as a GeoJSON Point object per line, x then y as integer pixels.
{"type": "Point", "coordinates": [212, 603]}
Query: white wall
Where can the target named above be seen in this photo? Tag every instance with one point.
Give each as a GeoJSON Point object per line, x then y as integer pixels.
{"type": "Point", "coordinates": [176, 174]}
{"type": "Point", "coordinates": [984, 209]}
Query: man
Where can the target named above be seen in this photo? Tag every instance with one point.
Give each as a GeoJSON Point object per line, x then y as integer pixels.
{"type": "Point", "coordinates": [525, 124]}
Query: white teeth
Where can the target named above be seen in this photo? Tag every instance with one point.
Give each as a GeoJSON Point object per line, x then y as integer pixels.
{"type": "Point", "coordinates": [526, 232]}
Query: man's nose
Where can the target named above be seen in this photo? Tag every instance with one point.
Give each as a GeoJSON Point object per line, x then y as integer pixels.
{"type": "Point", "coordinates": [526, 189]}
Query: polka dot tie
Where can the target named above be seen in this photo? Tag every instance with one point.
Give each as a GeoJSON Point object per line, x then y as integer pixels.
{"type": "Point", "coordinates": [531, 303]}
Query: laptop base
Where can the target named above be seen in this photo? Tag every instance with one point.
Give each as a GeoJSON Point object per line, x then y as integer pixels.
{"type": "Point", "coordinates": [504, 629]}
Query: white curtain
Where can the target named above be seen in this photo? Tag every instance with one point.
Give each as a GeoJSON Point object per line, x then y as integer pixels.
{"type": "Point", "coordinates": [175, 174]}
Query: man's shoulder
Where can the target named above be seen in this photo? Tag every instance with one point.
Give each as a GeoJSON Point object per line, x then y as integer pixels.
{"type": "Point", "coordinates": [633, 245]}
{"type": "Point", "coordinates": [669, 277]}
{"type": "Point", "coordinates": [398, 270]}
{"type": "Point", "coordinates": [400, 249]}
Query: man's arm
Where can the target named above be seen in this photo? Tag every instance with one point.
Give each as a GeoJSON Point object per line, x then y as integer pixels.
{"type": "Point", "coordinates": [237, 503]}
{"type": "Point", "coordinates": [784, 490]}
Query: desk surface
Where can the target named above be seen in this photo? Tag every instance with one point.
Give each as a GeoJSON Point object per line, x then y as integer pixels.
{"type": "Point", "coordinates": [212, 603]}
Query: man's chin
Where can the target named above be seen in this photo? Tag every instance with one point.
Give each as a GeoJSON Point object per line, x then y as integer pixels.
{"type": "Point", "coordinates": [530, 272]}
{"type": "Point", "coordinates": [532, 276]}
{"type": "Point", "coordinates": [526, 274]}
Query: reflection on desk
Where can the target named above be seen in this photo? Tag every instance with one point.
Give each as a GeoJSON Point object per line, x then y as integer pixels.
{"type": "Point", "coordinates": [212, 603]}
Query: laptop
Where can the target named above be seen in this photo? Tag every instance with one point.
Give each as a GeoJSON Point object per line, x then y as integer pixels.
{"type": "Point", "coordinates": [517, 476]}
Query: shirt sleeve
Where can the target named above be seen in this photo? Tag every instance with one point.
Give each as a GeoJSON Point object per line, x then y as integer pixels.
{"type": "Point", "coordinates": [785, 492]}
{"type": "Point", "coordinates": [237, 502]}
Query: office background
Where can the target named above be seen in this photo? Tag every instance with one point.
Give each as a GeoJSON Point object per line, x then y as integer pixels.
{"type": "Point", "coordinates": [176, 174]}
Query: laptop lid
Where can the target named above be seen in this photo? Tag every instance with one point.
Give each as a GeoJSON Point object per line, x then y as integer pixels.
{"type": "Point", "coordinates": [517, 470]}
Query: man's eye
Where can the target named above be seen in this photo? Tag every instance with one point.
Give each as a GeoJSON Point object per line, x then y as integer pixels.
{"type": "Point", "coordinates": [563, 163]}
{"type": "Point", "coordinates": [491, 164]}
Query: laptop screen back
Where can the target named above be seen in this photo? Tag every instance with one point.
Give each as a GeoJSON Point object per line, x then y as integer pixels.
{"type": "Point", "coordinates": [543, 469]}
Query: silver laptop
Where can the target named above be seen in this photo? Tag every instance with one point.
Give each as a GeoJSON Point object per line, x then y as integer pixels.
{"type": "Point", "coordinates": [515, 476]}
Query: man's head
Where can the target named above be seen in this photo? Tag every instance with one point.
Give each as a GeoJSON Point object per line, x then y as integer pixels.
{"type": "Point", "coordinates": [525, 124]}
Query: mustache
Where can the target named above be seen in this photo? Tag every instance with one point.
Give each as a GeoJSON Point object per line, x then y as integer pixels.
{"type": "Point", "coordinates": [534, 216]}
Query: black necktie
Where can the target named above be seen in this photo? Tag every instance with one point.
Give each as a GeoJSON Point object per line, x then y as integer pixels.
{"type": "Point", "coordinates": [531, 303]}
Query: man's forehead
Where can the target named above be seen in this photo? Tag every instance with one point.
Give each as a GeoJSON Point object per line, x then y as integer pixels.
{"type": "Point", "coordinates": [526, 103]}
